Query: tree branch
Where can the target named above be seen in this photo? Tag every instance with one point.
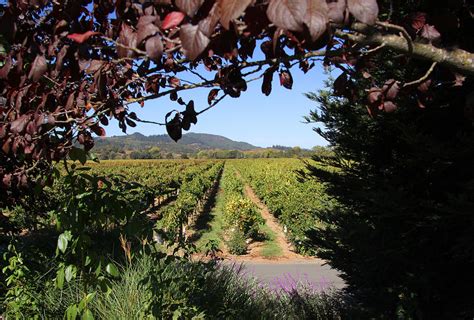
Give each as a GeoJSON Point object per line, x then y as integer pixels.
{"type": "Point", "coordinates": [243, 65]}
{"type": "Point", "coordinates": [458, 60]}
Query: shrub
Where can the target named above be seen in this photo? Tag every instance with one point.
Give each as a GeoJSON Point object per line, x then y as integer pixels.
{"type": "Point", "coordinates": [242, 214]}
{"type": "Point", "coordinates": [236, 243]}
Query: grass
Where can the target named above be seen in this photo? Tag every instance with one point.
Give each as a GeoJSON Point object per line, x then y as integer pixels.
{"type": "Point", "coordinates": [213, 230]}
{"type": "Point", "coordinates": [204, 291]}
{"type": "Point", "coordinates": [270, 248]}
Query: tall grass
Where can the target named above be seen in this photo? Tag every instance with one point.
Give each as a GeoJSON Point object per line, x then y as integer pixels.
{"type": "Point", "coordinates": [204, 290]}
{"type": "Point", "coordinates": [129, 297]}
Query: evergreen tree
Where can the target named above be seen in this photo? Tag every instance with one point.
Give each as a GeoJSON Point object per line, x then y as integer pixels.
{"type": "Point", "coordinates": [403, 233]}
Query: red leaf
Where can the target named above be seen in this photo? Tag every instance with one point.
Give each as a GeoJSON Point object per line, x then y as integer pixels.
{"type": "Point", "coordinates": [98, 130]}
{"type": "Point", "coordinates": [287, 14]}
{"type": "Point", "coordinates": [421, 105]}
{"type": "Point", "coordinates": [337, 10]}
{"type": "Point", "coordinates": [391, 89]}
{"type": "Point", "coordinates": [94, 66]}
{"type": "Point", "coordinates": [365, 11]}
{"type": "Point", "coordinates": [127, 38]}
{"type": "Point", "coordinates": [146, 28]}
{"type": "Point", "coordinates": [23, 180]}
{"type": "Point", "coordinates": [60, 58]}
{"type": "Point", "coordinates": [7, 146]}
{"type": "Point", "coordinates": [173, 128]}
{"type": "Point", "coordinates": [81, 37]}
{"type": "Point", "coordinates": [212, 95]}
{"type": "Point", "coordinates": [429, 32]}
{"type": "Point", "coordinates": [6, 68]}
{"type": "Point", "coordinates": [418, 20]}
{"type": "Point", "coordinates": [304, 66]}
{"type": "Point", "coordinates": [267, 81]}
{"type": "Point", "coordinates": [340, 84]}
{"type": "Point", "coordinates": [375, 96]}
{"type": "Point", "coordinates": [208, 25]}
{"type": "Point", "coordinates": [425, 85]}
{"type": "Point", "coordinates": [7, 180]}
{"type": "Point", "coordinates": [389, 106]}
{"type": "Point", "coordinates": [3, 131]}
{"type": "Point", "coordinates": [130, 123]}
{"type": "Point", "coordinates": [154, 47]}
{"type": "Point", "coordinates": [19, 124]}
{"type": "Point", "coordinates": [316, 18]}
{"type": "Point", "coordinates": [32, 128]}
{"type": "Point", "coordinates": [189, 6]}
{"type": "Point", "coordinates": [174, 82]}
{"type": "Point", "coordinates": [232, 9]}
{"type": "Point", "coordinates": [286, 80]}
{"type": "Point", "coordinates": [172, 19]}
{"type": "Point", "coordinates": [193, 40]}
{"type": "Point", "coordinates": [38, 68]}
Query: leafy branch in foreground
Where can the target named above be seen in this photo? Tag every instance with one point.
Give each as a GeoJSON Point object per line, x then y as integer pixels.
{"type": "Point", "coordinates": [67, 68]}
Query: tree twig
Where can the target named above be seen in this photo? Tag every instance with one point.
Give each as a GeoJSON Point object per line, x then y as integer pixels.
{"type": "Point", "coordinates": [373, 49]}
{"type": "Point", "coordinates": [422, 79]}
{"type": "Point", "coordinates": [403, 32]}
{"type": "Point", "coordinates": [140, 52]}
{"type": "Point", "coordinates": [213, 104]}
{"type": "Point", "coordinates": [151, 122]}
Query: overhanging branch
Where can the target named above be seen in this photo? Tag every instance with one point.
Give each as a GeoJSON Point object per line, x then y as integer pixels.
{"type": "Point", "coordinates": [457, 59]}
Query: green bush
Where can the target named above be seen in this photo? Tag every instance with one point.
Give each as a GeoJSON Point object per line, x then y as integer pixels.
{"type": "Point", "coordinates": [241, 213]}
{"type": "Point", "coordinates": [236, 243]}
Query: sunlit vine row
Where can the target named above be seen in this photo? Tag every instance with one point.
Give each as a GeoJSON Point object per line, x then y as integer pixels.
{"type": "Point", "coordinates": [240, 213]}
{"type": "Point", "coordinates": [193, 194]}
{"type": "Point", "coordinates": [292, 201]}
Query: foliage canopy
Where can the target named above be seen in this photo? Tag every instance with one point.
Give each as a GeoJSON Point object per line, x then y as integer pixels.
{"type": "Point", "coordinates": [68, 67]}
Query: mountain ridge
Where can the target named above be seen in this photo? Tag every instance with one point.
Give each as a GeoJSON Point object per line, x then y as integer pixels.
{"type": "Point", "coordinates": [190, 143]}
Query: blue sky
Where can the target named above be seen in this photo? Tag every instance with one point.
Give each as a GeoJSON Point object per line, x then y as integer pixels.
{"type": "Point", "coordinates": [254, 118]}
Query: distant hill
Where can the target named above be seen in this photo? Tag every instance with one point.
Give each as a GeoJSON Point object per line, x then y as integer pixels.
{"type": "Point", "coordinates": [190, 143]}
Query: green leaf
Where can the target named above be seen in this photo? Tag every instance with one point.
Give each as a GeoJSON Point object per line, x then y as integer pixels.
{"type": "Point", "coordinates": [60, 278]}
{"type": "Point", "coordinates": [176, 314]}
{"type": "Point", "coordinates": [62, 242]}
{"type": "Point", "coordinates": [94, 157]}
{"type": "Point", "coordinates": [70, 272]}
{"type": "Point", "coordinates": [71, 312]}
{"type": "Point", "coordinates": [112, 270]}
{"type": "Point", "coordinates": [89, 297]}
{"type": "Point", "coordinates": [87, 261]}
{"type": "Point", "coordinates": [87, 315]}
{"type": "Point", "coordinates": [78, 154]}
{"type": "Point", "coordinates": [98, 270]}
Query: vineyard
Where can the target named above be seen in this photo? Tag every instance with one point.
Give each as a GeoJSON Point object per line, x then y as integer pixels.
{"type": "Point", "coordinates": [162, 226]}
{"type": "Point", "coordinates": [177, 194]}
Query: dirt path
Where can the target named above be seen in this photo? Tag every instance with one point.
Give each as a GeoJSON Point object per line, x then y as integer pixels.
{"type": "Point", "coordinates": [254, 249]}
{"type": "Point", "coordinates": [287, 250]}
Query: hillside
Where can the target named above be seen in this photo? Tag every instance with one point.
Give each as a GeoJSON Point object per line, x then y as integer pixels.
{"type": "Point", "coordinates": [191, 143]}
